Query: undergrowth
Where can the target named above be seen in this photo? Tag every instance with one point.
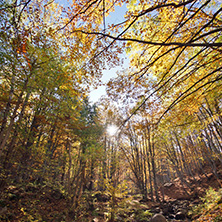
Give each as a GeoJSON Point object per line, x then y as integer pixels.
{"type": "Point", "coordinates": [211, 208]}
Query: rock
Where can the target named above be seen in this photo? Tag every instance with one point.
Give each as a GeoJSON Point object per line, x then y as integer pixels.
{"type": "Point", "coordinates": [158, 218]}
{"type": "Point", "coordinates": [183, 210]}
{"type": "Point", "coordinates": [168, 185]}
{"type": "Point", "coordinates": [167, 209]}
{"type": "Point", "coordinates": [174, 191]}
{"type": "Point", "coordinates": [171, 216]}
{"type": "Point", "coordinates": [180, 215]}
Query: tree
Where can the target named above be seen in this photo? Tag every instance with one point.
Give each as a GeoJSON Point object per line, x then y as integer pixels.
{"type": "Point", "coordinates": [185, 34]}
{"type": "Point", "coordinates": [43, 85]}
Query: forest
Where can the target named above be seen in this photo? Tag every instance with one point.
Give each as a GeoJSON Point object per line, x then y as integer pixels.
{"type": "Point", "coordinates": [148, 150]}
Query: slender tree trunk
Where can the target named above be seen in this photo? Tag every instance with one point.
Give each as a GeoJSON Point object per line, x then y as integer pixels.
{"type": "Point", "coordinates": [7, 108]}
{"type": "Point", "coordinates": [68, 148]}
{"type": "Point", "coordinates": [11, 145]}
{"type": "Point", "coordinates": [5, 135]}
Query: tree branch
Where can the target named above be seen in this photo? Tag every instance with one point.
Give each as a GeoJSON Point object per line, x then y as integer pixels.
{"type": "Point", "coordinates": [180, 44]}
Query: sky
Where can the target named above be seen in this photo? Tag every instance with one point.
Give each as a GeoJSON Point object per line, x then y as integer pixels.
{"type": "Point", "coordinates": [107, 75]}
{"type": "Point", "coordinates": [114, 18]}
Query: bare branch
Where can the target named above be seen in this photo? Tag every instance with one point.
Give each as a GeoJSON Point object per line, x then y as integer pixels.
{"type": "Point", "coordinates": [180, 44]}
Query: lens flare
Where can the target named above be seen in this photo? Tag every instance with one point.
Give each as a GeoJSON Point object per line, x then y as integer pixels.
{"type": "Point", "coordinates": [112, 130]}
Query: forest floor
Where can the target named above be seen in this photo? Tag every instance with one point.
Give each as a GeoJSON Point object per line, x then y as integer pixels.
{"type": "Point", "coordinates": [200, 200]}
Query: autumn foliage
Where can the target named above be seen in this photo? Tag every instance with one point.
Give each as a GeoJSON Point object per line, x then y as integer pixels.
{"type": "Point", "coordinates": [166, 104]}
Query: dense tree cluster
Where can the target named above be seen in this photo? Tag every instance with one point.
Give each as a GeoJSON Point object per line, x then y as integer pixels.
{"type": "Point", "coordinates": [168, 101]}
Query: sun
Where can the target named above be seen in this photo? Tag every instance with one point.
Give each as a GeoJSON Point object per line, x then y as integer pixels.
{"type": "Point", "coordinates": [112, 129]}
